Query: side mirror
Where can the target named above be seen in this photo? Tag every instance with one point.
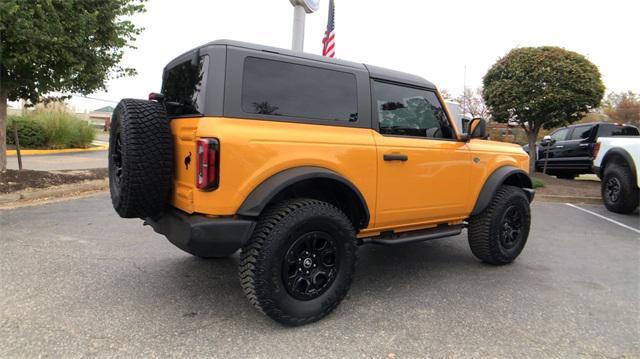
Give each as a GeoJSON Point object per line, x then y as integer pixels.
{"type": "Point", "coordinates": [547, 140]}
{"type": "Point", "coordinates": [478, 128]}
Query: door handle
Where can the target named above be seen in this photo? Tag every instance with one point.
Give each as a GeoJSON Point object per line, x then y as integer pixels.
{"type": "Point", "coordinates": [584, 145]}
{"type": "Point", "coordinates": [395, 157]}
{"type": "Point", "coordinates": [559, 146]}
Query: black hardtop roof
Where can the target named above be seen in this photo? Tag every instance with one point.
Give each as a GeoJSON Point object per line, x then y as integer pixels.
{"type": "Point", "coordinates": [374, 71]}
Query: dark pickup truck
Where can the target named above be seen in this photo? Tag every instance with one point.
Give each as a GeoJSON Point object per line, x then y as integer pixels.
{"type": "Point", "coordinates": [570, 149]}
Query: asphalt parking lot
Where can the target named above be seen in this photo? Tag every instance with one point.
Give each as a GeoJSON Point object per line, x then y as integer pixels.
{"type": "Point", "coordinates": [76, 280]}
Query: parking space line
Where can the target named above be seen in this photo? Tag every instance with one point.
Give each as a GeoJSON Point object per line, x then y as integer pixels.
{"type": "Point", "coordinates": [605, 218]}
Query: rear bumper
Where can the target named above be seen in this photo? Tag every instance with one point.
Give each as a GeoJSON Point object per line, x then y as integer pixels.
{"type": "Point", "coordinates": [203, 236]}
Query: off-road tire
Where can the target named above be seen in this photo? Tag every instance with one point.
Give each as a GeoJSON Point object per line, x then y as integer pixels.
{"type": "Point", "coordinates": [262, 260]}
{"type": "Point", "coordinates": [140, 159]}
{"type": "Point", "coordinates": [628, 196]}
{"type": "Point", "coordinates": [484, 232]}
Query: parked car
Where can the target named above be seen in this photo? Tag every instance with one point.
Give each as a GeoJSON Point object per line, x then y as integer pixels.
{"type": "Point", "coordinates": [297, 159]}
{"type": "Point", "coordinates": [616, 162]}
{"type": "Point", "coordinates": [570, 149]}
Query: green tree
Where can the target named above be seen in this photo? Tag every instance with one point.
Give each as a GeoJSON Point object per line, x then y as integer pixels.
{"type": "Point", "coordinates": [541, 87]}
{"type": "Point", "coordinates": [61, 46]}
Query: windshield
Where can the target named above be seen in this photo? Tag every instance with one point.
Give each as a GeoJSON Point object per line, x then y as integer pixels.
{"type": "Point", "coordinates": [184, 87]}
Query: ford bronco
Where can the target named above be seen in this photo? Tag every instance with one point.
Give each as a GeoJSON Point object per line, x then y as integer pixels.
{"type": "Point", "coordinates": [296, 160]}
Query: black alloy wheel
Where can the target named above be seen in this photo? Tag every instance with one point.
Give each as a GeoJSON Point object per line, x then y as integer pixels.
{"type": "Point", "coordinates": [310, 265]}
{"type": "Point", "coordinates": [511, 227]}
{"type": "Point", "coordinates": [612, 189]}
{"type": "Point", "coordinates": [116, 156]}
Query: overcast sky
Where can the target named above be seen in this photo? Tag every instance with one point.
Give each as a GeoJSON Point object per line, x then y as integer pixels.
{"type": "Point", "coordinates": [432, 39]}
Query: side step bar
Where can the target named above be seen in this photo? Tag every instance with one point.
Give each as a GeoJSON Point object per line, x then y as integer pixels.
{"type": "Point", "coordinates": [415, 236]}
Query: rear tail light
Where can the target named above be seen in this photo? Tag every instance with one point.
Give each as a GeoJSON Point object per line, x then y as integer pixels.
{"type": "Point", "coordinates": [596, 148]}
{"type": "Point", "coordinates": [208, 176]}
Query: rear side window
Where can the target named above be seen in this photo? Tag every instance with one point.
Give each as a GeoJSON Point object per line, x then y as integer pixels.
{"type": "Point", "coordinates": [581, 132]}
{"type": "Point", "coordinates": [184, 87]}
{"type": "Point", "coordinates": [279, 88]}
{"type": "Point", "coordinates": [616, 130]}
{"type": "Point", "coordinates": [407, 111]}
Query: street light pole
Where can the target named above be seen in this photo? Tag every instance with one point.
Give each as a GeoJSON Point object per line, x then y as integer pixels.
{"type": "Point", "coordinates": [300, 10]}
{"type": "Point", "coordinates": [297, 38]}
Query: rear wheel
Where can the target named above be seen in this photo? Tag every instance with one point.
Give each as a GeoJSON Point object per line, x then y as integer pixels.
{"type": "Point", "coordinates": [299, 263]}
{"type": "Point", "coordinates": [620, 193]}
{"type": "Point", "coordinates": [498, 234]}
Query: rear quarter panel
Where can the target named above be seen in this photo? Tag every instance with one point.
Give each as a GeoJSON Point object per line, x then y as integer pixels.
{"type": "Point", "coordinates": [251, 151]}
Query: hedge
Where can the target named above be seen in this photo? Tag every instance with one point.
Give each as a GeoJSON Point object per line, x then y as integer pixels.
{"type": "Point", "coordinates": [51, 129]}
{"type": "Point", "coordinates": [31, 133]}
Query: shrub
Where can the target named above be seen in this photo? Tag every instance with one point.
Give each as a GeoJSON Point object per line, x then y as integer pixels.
{"type": "Point", "coordinates": [31, 133]}
{"type": "Point", "coordinates": [63, 129]}
{"type": "Point", "coordinates": [537, 183]}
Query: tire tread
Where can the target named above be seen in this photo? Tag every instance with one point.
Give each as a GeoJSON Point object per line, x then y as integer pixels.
{"type": "Point", "coordinates": [250, 269]}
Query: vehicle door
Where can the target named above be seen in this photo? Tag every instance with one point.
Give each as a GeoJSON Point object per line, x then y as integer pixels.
{"type": "Point", "coordinates": [579, 144]}
{"type": "Point", "coordinates": [553, 150]}
{"type": "Point", "coordinates": [423, 171]}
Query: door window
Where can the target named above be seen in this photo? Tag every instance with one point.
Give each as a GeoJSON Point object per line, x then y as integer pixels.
{"type": "Point", "coordinates": [581, 132]}
{"type": "Point", "coordinates": [560, 135]}
{"type": "Point", "coordinates": [406, 111]}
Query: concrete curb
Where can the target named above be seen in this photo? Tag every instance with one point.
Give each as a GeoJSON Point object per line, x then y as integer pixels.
{"type": "Point", "coordinates": [67, 190]}
{"type": "Point", "coordinates": [74, 189]}
{"type": "Point", "coordinates": [567, 199]}
{"type": "Point", "coordinates": [56, 152]}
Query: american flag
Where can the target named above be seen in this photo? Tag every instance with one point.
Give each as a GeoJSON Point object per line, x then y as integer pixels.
{"type": "Point", "coordinates": [329, 40]}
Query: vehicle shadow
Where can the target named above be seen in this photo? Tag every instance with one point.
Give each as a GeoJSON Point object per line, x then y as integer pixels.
{"type": "Point", "coordinates": [210, 288]}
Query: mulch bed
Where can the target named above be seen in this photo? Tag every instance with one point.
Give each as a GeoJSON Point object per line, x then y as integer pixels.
{"type": "Point", "coordinates": [12, 180]}
{"type": "Point", "coordinates": [562, 187]}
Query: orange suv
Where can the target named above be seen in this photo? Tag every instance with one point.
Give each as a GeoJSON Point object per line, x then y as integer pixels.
{"type": "Point", "coordinates": [297, 159]}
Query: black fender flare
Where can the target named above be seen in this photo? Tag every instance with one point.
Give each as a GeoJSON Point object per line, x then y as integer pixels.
{"type": "Point", "coordinates": [260, 197]}
{"type": "Point", "coordinates": [503, 174]}
{"type": "Point", "coordinates": [618, 151]}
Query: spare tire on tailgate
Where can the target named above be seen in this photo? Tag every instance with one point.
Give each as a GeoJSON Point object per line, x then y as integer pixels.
{"type": "Point", "coordinates": [140, 159]}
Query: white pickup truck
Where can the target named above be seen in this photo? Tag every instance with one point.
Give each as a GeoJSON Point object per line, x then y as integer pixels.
{"type": "Point", "coordinates": [616, 160]}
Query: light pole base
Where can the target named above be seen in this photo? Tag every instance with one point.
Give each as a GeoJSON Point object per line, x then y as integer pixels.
{"type": "Point", "coordinates": [297, 38]}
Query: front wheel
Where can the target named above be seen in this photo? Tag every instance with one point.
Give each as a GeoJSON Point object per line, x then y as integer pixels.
{"type": "Point", "coordinates": [299, 263]}
{"type": "Point", "coordinates": [620, 193]}
{"type": "Point", "coordinates": [498, 234]}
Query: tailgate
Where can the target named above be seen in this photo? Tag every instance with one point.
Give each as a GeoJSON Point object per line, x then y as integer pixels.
{"type": "Point", "coordinates": [184, 137]}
